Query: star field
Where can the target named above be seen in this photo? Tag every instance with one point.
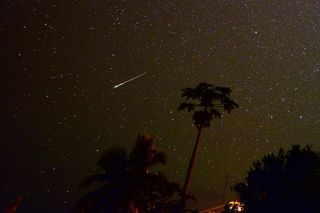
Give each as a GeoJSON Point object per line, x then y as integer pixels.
{"type": "Point", "coordinates": [61, 59]}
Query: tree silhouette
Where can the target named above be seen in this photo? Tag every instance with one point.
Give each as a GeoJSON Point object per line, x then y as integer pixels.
{"type": "Point", "coordinates": [286, 182]}
{"type": "Point", "coordinates": [206, 101]}
{"type": "Point", "coordinates": [127, 185]}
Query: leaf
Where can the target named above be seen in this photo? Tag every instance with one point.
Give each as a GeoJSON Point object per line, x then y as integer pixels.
{"type": "Point", "coordinates": [207, 103]}
{"type": "Point", "coordinates": [97, 178]}
{"type": "Point", "coordinates": [188, 106]}
{"type": "Point", "coordinates": [114, 160]}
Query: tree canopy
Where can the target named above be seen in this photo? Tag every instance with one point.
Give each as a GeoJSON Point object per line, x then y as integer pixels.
{"type": "Point", "coordinates": [207, 101]}
{"type": "Point", "coordinates": [283, 182]}
{"type": "Point", "coordinates": [126, 185]}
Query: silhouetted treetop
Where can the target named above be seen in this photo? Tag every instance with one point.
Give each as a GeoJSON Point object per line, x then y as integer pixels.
{"type": "Point", "coordinates": [283, 182]}
{"type": "Point", "coordinates": [207, 101]}
{"type": "Point", "coordinates": [125, 185]}
{"type": "Point", "coordinates": [145, 154]}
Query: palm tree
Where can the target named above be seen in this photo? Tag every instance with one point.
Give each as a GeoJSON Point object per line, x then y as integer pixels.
{"type": "Point", "coordinates": [126, 185]}
{"type": "Point", "coordinates": [206, 101]}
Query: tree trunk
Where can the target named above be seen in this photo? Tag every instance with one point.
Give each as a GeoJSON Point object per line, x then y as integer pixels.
{"type": "Point", "coordinates": [191, 163]}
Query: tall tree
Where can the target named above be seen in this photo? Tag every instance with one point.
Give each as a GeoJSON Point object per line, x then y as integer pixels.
{"type": "Point", "coordinates": [283, 182]}
{"type": "Point", "coordinates": [206, 101]}
{"type": "Point", "coordinates": [127, 185]}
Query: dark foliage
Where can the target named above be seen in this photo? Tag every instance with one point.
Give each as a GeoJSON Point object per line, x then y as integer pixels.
{"type": "Point", "coordinates": [286, 182]}
{"type": "Point", "coordinates": [126, 185]}
{"type": "Point", "coordinates": [207, 101]}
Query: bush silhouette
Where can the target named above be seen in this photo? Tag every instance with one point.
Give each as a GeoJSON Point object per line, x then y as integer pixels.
{"type": "Point", "coordinates": [283, 182]}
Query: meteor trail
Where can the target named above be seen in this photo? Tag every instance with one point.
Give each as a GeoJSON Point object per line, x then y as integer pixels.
{"type": "Point", "coordinates": [131, 79]}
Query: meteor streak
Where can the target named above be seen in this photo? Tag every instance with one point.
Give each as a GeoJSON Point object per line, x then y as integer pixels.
{"type": "Point", "coordinates": [131, 79]}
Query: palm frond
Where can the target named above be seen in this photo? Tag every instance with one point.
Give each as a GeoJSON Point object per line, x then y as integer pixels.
{"type": "Point", "coordinates": [114, 160]}
{"type": "Point", "coordinates": [96, 178]}
{"type": "Point", "coordinates": [207, 103]}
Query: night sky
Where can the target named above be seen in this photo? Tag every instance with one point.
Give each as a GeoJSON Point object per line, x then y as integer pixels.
{"type": "Point", "coordinates": [61, 59]}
